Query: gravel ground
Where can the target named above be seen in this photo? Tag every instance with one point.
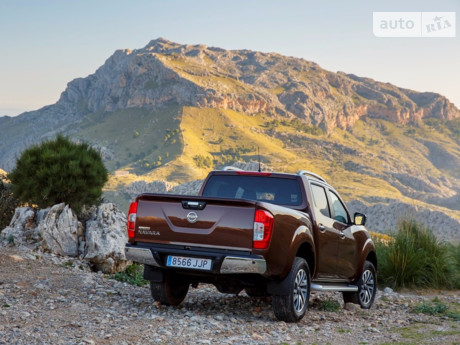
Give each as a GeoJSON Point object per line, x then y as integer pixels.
{"type": "Point", "coordinates": [45, 299]}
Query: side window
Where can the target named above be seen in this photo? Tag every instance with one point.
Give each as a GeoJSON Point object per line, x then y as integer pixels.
{"type": "Point", "coordinates": [340, 214]}
{"type": "Point", "coordinates": [320, 200]}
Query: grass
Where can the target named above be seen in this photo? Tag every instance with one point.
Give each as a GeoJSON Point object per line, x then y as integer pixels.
{"type": "Point", "coordinates": [436, 308]}
{"type": "Point", "coordinates": [415, 258]}
{"type": "Point", "coordinates": [426, 333]}
{"type": "Point", "coordinates": [133, 275]}
{"type": "Point", "coordinates": [329, 305]}
{"type": "Point", "coordinates": [134, 136]}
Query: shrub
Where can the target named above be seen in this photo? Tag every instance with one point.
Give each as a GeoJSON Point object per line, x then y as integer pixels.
{"type": "Point", "coordinates": [133, 275]}
{"type": "Point", "coordinates": [415, 258]}
{"type": "Point", "coordinates": [329, 305]}
{"type": "Point", "coordinates": [203, 162]}
{"type": "Point", "coordinates": [59, 171]}
{"type": "Point", "coordinates": [8, 203]}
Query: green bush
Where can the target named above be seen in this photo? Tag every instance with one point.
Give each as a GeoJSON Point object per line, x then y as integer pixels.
{"type": "Point", "coordinates": [329, 305]}
{"type": "Point", "coordinates": [203, 162]}
{"type": "Point", "coordinates": [59, 171]}
{"type": "Point", "coordinates": [8, 203]}
{"type": "Point", "coordinates": [133, 275]}
{"type": "Point", "coordinates": [415, 258]}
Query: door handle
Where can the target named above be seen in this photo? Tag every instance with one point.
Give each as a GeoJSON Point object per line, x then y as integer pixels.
{"type": "Point", "coordinates": [321, 227]}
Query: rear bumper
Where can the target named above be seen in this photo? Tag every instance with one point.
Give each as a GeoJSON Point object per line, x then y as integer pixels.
{"type": "Point", "coordinates": [222, 263]}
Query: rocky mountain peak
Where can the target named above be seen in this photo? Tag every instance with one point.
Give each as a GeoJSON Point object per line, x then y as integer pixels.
{"type": "Point", "coordinates": [164, 73]}
{"type": "Point", "coordinates": [247, 81]}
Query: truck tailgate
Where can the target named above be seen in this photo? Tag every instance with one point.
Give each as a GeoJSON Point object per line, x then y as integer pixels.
{"type": "Point", "coordinates": [195, 221]}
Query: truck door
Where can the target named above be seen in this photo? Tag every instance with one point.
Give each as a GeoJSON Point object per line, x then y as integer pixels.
{"type": "Point", "coordinates": [327, 237]}
{"type": "Point", "coordinates": [347, 258]}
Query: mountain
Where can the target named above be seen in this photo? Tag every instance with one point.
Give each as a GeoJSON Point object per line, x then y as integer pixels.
{"type": "Point", "coordinates": [173, 112]}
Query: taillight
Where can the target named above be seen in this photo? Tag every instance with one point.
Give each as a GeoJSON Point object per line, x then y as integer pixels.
{"type": "Point", "coordinates": [253, 173]}
{"type": "Point", "coordinates": [132, 219]}
{"type": "Point", "coordinates": [263, 227]}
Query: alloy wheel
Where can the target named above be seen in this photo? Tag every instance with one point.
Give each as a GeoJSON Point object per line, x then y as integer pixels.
{"type": "Point", "coordinates": [367, 287]}
{"type": "Point", "coordinates": [300, 291]}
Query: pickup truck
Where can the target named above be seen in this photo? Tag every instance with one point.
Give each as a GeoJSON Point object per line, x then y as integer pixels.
{"type": "Point", "coordinates": [271, 234]}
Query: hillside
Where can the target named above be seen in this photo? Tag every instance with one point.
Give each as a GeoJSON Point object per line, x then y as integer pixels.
{"type": "Point", "coordinates": [173, 112]}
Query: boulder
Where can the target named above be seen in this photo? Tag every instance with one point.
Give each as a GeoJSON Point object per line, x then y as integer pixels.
{"type": "Point", "coordinates": [21, 228]}
{"type": "Point", "coordinates": [60, 230]}
{"type": "Point", "coordinates": [106, 238]}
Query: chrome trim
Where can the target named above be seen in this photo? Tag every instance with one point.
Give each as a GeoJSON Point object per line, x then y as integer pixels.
{"type": "Point", "coordinates": [232, 264]}
{"type": "Point", "coordinates": [141, 255]}
{"type": "Point", "coordinates": [330, 287]}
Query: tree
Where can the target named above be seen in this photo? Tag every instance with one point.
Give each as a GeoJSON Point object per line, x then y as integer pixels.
{"type": "Point", "coordinates": [59, 171]}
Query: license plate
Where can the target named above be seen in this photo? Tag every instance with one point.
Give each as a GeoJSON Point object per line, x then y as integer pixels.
{"type": "Point", "coordinates": [192, 263]}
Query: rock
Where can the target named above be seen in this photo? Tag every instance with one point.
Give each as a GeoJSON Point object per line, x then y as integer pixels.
{"type": "Point", "coordinates": [21, 228]}
{"type": "Point", "coordinates": [106, 238]}
{"type": "Point", "coordinates": [352, 307]}
{"type": "Point", "coordinates": [16, 258]}
{"type": "Point", "coordinates": [388, 291]}
{"type": "Point", "coordinates": [59, 230]}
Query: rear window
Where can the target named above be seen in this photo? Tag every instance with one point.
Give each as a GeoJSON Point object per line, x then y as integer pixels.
{"type": "Point", "coordinates": [280, 191]}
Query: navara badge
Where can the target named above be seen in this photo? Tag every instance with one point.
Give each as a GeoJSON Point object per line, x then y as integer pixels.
{"type": "Point", "coordinates": [192, 217]}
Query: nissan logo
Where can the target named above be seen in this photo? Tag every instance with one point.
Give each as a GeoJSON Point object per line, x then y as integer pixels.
{"type": "Point", "coordinates": [192, 217]}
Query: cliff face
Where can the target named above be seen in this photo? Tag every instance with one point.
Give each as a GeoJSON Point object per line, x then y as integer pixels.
{"type": "Point", "coordinates": [251, 82]}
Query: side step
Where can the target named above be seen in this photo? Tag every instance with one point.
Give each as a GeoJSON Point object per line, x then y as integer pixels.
{"type": "Point", "coordinates": [332, 287]}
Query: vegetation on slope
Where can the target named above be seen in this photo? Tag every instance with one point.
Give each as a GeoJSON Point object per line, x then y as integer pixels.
{"type": "Point", "coordinates": [375, 160]}
{"type": "Point", "coordinates": [413, 257]}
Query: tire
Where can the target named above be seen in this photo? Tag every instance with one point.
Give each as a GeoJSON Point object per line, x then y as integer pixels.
{"type": "Point", "coordinates": [259, 291]}
{"type": "Point", "coordinates": [292, 306]}
{"type": "Point", "coordinates": [171, 291]}
{"type": "Point", "coordinates": [367, 288]}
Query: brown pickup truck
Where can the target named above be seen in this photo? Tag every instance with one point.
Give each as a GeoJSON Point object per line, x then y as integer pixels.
{"type": "Point", "coordinates": [268, 233]}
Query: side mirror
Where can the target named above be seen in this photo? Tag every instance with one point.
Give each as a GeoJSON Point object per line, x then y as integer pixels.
{"type": "Point", "coordinates": [360, 218]}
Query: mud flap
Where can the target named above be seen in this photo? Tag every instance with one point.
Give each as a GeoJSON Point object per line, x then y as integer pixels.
{"type": "Point", "coordinates": [279, 288]}
{"type": "Point", "coordinates": [153, 274]}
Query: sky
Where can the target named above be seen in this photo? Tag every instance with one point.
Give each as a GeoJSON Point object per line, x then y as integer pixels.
{"type": "Point", "coordinates": [44, 44]}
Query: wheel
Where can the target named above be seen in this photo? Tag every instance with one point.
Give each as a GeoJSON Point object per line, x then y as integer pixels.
{"type": "Point", "coordinates": [171, 291]}
{"type": "Point", "coordinates": [259, 291]}
{"type": "Point", "coordinates": [292, 306]}
{"type": "Point", "coordinates": [367, 288]}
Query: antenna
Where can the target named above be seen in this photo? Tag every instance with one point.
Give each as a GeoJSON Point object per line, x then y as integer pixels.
{"type": "Point", "coordinates": [258, 154]}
